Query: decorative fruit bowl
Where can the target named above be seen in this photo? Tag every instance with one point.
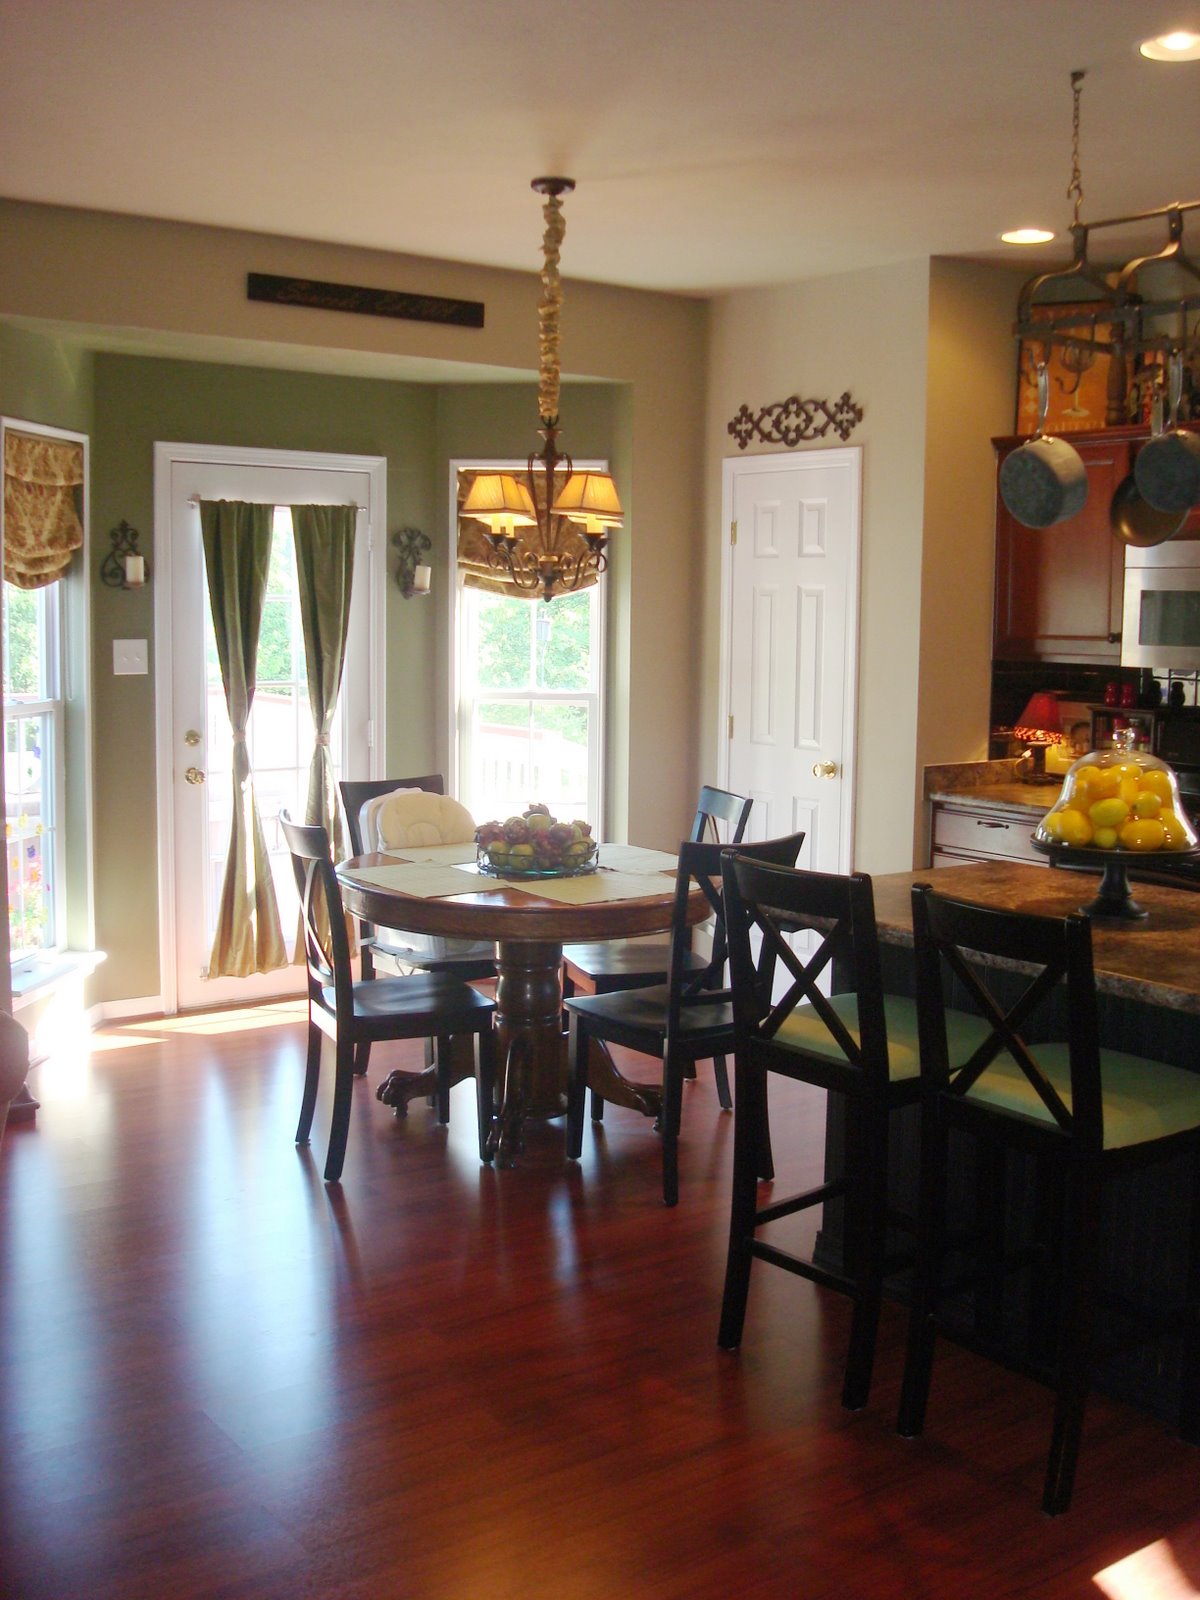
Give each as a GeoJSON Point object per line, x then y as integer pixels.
{"type": "Point", "coordinates": [535, 845]}
{"type": "Point", "coordinates": [1117, 807]}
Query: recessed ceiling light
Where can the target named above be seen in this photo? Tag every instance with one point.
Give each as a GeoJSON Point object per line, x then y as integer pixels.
{"type": "Point", "coordinates": [1179, 46]}
{"type": "Point", "coordinates": [1027, 236]}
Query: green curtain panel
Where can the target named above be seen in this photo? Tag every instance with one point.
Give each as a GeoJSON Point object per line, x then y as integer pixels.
{"type": "Point", "coordinates": [324, 537]}
{"type": "Point", "coordinates": [237, 552]}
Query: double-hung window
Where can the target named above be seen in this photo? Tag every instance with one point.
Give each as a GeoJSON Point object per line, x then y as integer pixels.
{"type": "Point", "coordinates": [33, 768]}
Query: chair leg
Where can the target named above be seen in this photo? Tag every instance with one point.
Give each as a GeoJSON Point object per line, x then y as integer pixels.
{"type": "Point", "coordinates": [577, 1055]}
{"type": "Point", "coordinates": [721, 1074]}
{"type": "Point", "coordinates": [1079, 1254]}
{"type": "Point", "coordinates": [931, 1243]}
{"type": "Point", "coordinates": [990, 1188]}
{"type": "Point", "coordinates": [867, 1194]}
{"type": "Point", "coordinates": [766, 1157]}
{"type": "Point", "coordinates": [597, 1106]}
{"type": "Point", "coordinates": [444, 1057]}
{"type": "Point", "coordinates": [1189, 1400]}
{"type": "Point", "coordinates": [312, 1076]}
{"type": "Point", "coordinates": [339, 1128]}
{"type": "Point", "coordinates": [485, 1089]}
{"type": "Point", "coordinates": [672, 1116]}
{"type": "Point", "coordinates": [748, 1114]}
{"type": "Point", "coordinates": [362, 1057]}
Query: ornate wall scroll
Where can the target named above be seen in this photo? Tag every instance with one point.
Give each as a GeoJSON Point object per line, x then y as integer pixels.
{"type": "Point", "coordinates": [793, 421]}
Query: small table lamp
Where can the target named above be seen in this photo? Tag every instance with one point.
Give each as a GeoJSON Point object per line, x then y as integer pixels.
{"type": "Point", "coordinates": [1039, 725]}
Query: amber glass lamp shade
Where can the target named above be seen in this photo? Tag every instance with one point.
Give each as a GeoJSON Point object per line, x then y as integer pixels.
{"type": "Point", "coordinates": [1039, 725]}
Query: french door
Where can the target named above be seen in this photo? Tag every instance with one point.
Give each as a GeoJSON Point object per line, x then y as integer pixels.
{"type": "Point", "coordinates": [194, 736]}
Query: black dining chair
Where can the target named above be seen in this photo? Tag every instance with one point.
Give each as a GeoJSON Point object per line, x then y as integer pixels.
{"type": "Point", "coordinates": [609, 966]}
{"type": "Point", "coordinates": [387, 947]}
{"type": "Point", "coordinates": [858, 1042]}
{"type": "Point", "coordinates": [685, 1020]}
{"type": "Point", "coordinates": [1084, 1114]}
{"type": "Point", "coordinates": [357, 1014]}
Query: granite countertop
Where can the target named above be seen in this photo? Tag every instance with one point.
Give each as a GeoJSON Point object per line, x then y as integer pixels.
{"type": "Point", "coordinates": [987, 783]}
{"type": "Point", "coordinates": [1156, 961]}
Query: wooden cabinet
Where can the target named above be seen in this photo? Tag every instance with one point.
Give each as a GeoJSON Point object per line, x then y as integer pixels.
{"type": "Point", "coordinates": [961, 832]}
{"type": "Point", "coordinates": [1059, 590]}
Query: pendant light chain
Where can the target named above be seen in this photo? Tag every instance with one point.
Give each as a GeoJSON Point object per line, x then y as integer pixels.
{"type": "Point", "coordinates": [548, 309]}
{"type": "Point", "coordinates": [1075, 187]}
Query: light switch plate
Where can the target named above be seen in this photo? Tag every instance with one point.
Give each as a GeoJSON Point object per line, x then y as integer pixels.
{"type": "Point", "coordinates": [130, 657]}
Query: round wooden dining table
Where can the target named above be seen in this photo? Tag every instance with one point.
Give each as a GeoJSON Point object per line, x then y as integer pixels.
{"type": "Point", "coordinates": [529, 930]}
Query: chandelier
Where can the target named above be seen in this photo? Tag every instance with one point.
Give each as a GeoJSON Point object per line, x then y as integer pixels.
{"type": "Point", "coordinates": [547, 528]}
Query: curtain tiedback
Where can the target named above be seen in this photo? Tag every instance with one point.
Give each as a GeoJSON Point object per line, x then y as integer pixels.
{"type": "Point", "coordinates": [237, 552]}
{"type": "Point", "coordinates": [42, 531]}
{"type": "Point", "coordinates": [324, 540]}
{"type": "Point", "coordinates": [473, 549]}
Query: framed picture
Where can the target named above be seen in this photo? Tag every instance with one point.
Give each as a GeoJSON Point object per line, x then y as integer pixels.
{"type": "Point", "coordinates": [1078, 378]}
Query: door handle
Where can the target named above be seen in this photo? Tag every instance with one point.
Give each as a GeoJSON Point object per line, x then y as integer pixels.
{"type": "Point", "coordinates": [193, 775]}
{"type": "Point", "coordinates": [824, 769]}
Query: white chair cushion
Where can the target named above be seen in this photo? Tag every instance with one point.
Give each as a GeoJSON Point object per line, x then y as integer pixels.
{"type": "Point", "coordinates": [413, 817]}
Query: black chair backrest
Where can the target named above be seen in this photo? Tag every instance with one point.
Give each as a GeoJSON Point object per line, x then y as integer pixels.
{"type": "Point", "coordinates": [718, 805]}
{"type": "Point", "coordinates": [355, 794]}
{"type": "Point", "coordinates": [700, 864]}
{"type": "Point", "coordinates": [946, 933]}
{"type": "Point", "coordinates": [840, 911]}
{"type": "Point", "coordinates": [320, 910]}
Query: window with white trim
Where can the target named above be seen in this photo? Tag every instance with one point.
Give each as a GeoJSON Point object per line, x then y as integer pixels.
{"type": "Point", "coordinates": [33, 768]}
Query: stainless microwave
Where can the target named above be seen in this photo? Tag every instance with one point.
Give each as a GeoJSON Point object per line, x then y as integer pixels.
{"type": "Point", "coordinates": [1161, 626]}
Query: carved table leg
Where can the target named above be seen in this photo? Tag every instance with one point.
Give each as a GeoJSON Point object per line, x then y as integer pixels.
{"type": "Point", "coordinates": [401, 1086]}
{"type": "Point", "coordinates": [529, 1041]}
{"type": "Point", "coordinates": [610, 1084]}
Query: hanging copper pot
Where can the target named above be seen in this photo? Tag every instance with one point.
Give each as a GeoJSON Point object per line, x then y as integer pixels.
{"type": "Point", "coordinates": [1044, 480]}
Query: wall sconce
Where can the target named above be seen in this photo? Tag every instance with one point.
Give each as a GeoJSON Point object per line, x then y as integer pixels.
{"type": "Point", "coordinates": [124, 567]}
{"type": "Point", "coordinates": [412, 574]}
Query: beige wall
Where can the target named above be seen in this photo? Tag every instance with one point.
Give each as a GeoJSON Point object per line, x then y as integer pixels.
{"type": "Point", "coordinates": [864, 332]}
{"type": "Point", "coordinates": [925, 348]}
{"type": "Point", "coordinates": [971, 399]}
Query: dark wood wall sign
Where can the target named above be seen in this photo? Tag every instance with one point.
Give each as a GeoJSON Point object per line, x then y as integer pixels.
{"type": "Point", "coordinates": [365, 302]}
{"type": "Point", "coordinates": [792, 421]}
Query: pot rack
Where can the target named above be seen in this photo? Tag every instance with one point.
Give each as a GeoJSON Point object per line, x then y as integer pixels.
{"type": "Point", "coordinates": [1135, 324]}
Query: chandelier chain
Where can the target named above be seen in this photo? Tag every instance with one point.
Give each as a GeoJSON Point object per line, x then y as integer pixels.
{"type": "Point", "coordinates": [548, 310]}
{"type": "Point", "coordinates": [1075, 187]}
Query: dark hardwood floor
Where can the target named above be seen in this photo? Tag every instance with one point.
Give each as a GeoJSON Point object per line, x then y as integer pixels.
{"type": "Point", "coordinates": [220, 1379]}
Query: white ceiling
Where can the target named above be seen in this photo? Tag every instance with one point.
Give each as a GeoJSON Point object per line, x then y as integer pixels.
{"type": "Point", "coordinates": [715, 144]}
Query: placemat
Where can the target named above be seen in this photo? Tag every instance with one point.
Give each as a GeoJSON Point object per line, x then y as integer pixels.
{"type": "Point", "coordinates": [444, 855]}
{"type": "Point", "coordinates": [425, 880]}
{"type": "Point", "coordinates": [595, 887]}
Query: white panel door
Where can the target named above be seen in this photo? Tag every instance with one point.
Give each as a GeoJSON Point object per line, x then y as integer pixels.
{"type": "Point", "coordinates": [195, 743]}
{"type": "Point", "coordinates": [790, 611]}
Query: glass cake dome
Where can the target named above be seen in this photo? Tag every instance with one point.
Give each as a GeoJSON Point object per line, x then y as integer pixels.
{"type": "Point", "coordinates": [1121, 800]}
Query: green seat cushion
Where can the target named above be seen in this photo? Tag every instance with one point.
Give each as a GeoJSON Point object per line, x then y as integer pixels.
{"type": "Point", "coordinates": [804, 1030]}
{"type": "Point", "coordinates": [1143, 1100]}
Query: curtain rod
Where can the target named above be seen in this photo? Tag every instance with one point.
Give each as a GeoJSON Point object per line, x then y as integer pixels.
{"type": "Point", "coordinates": [351, 505]}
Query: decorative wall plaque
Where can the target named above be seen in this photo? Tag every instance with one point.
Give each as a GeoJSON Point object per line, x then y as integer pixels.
{"type": "Point", "coordinates": [364, 302]}
{"type": "Point", "coordinates": [792, 421]}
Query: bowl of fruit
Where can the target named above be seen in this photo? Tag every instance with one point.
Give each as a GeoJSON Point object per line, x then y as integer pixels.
{"type": "Point", "coordinates": [535, 845]}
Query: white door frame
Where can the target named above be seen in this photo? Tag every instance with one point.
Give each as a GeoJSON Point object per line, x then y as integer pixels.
{"type": "Point", "coordinates": [732, 468]}
{"type": "Point", "coordinates": [166, 456]}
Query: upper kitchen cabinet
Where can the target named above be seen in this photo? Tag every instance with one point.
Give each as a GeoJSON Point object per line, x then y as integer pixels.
{"type": "Point", "coordinates": [1059, 590]}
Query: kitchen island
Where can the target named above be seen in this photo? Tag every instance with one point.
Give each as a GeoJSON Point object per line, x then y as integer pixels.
{"type": "Point", "coordinates": [1148, 984]}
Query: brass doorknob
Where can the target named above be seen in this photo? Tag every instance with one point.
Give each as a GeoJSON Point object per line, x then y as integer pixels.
{"type": "Point", "coordinates": [193, 775]}
{"type": "Point", "coordinates": [824, 769]}
{"type": "Point", "coordinates": [191, 737]}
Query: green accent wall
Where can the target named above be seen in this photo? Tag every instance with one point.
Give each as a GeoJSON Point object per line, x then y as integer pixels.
{"type": "Point", "coordinates": [418, 428]}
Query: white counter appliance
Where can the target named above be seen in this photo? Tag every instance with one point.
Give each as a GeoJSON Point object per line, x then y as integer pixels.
{"type": "Point", "coordinates": [1162, 607]}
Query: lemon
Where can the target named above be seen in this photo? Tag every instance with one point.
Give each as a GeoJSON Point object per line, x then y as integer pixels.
{"type": "Point", "coordinates": [1051, 824]}
{"type": "Point", "coordinates": [1108, 813]}
{"type": "Point", "coordinates": [1159, 783]}
{"type": "Point", "coordinates": [1105, 838]}
{"type": "Point", "coordinates": [1129, 789]}
{"type": "Point", "coordinates": [1125, 769]}
{"type": "Point", "coordinates": [1073, 827]}
{"type": "Point", "coordinates": [1143, 833]}
{"type": "Point", "coordinates": [1146, 803]}
{"type": "Point", "coordinates": [1175, 834]}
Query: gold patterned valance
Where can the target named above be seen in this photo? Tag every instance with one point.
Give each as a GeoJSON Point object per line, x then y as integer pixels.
{"type": "Point", "coordinates": [473, 550]}
{"type": "Point", "coordinates": [42, 480]}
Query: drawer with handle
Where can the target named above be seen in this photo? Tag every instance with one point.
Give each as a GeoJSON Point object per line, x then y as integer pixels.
{"type": "Point", "coordinates": [978, 832]}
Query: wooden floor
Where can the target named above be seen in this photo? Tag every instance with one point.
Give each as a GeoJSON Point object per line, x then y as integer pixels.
{"type": "Point", "coordinates": [219, 1378]}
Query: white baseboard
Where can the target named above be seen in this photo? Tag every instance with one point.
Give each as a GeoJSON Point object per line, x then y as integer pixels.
{"type": "Point", "coordinates": [150, 1005]}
